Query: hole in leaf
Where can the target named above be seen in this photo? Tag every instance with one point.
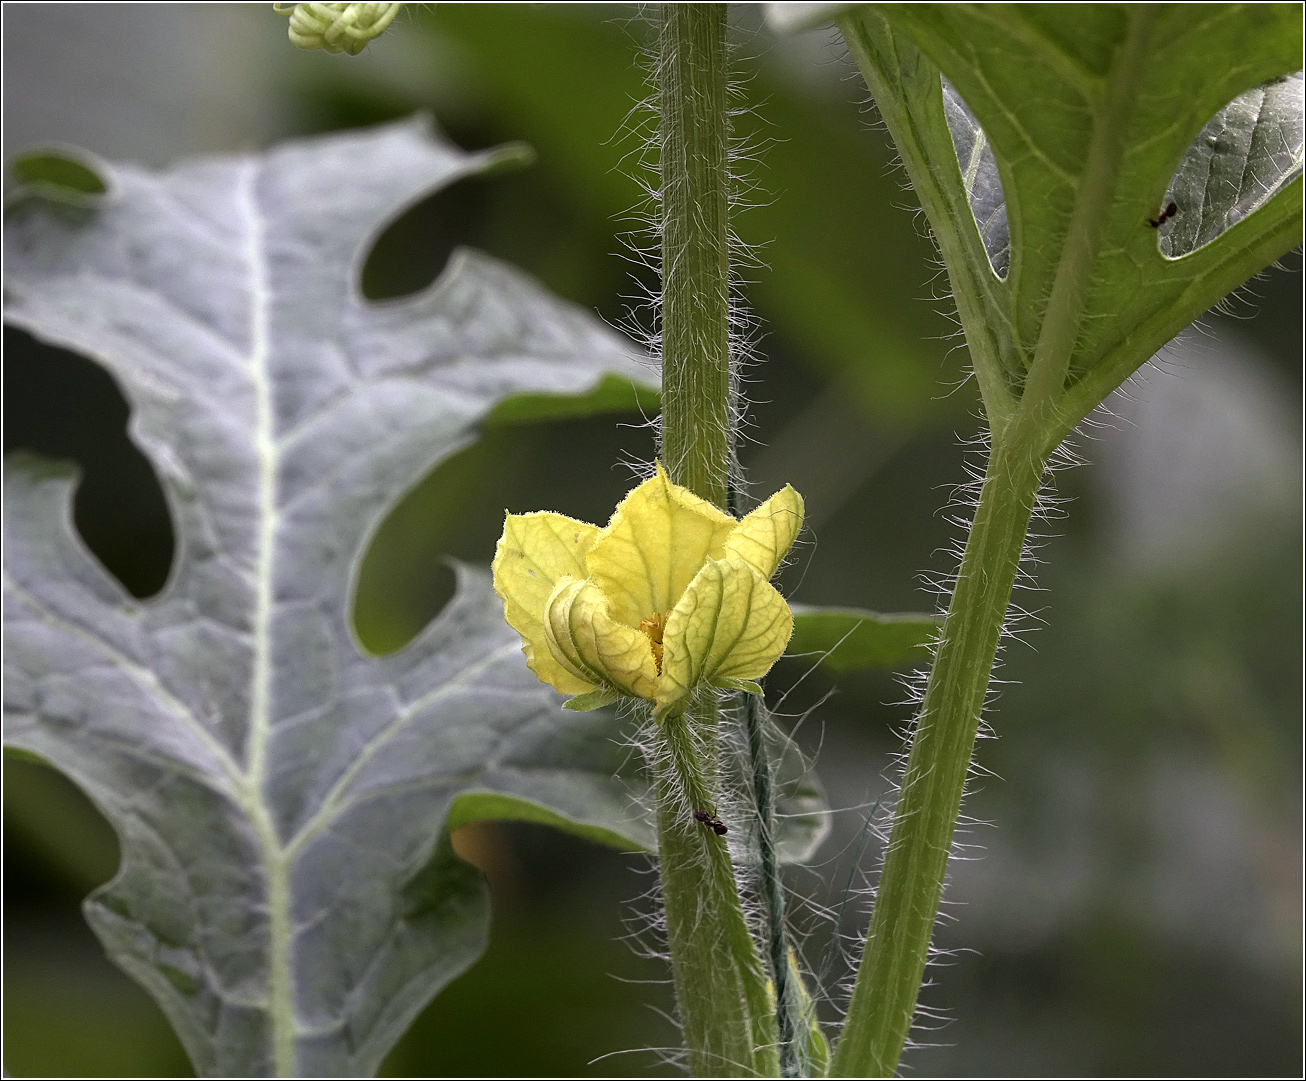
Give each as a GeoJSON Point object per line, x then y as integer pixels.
{"type": "Point", "coordinates": [1246, 153]}
{"type": "Point", "coordinates": [62, 405]}
{"type": "Point", "coordinates": [412, 251]}
{"type": "Point", "coordinates": [457, 510]}
{"type": "Point", "coordinates": [979, 170]}
{"type": "Point", "coordinates": [57, 844]}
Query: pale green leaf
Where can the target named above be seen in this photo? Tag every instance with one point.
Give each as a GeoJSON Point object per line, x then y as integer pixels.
{"type": "Point", "coordinates": [280, 797]}
{"type": "Point", "coordinates": [287, 893]}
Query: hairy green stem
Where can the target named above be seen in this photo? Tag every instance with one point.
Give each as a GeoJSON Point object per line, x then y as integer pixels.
{"type": "Point", "coordinates": [695, 185]}
{"type": "Point", "coordinates": [1024, 432]}
{"type": "Point", "coordinates": [911, 885]}
{"type": "Point", "coordinates": [725, 1006]}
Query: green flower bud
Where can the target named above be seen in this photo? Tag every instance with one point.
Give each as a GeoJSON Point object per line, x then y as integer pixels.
{"type": "Point", "coordinates": [337, 28]}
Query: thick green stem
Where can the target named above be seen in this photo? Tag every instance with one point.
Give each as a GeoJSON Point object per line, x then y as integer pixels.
{"type": "Point", "coordinates": [695, 249]}
{"type": "Point", "coordinates": [911, 885]}
{"type": "Point", "coordinates": [725, 1006]}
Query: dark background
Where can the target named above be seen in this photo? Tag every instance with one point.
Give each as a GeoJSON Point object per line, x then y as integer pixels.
{"type": "Point", "coordinates": [1136, 906]}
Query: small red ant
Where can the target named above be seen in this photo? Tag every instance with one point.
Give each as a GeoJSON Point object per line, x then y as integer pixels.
{"type": "Point", "coordinates": [1169, 212]}
{"type": "Point", "coordinates": [717, 827]}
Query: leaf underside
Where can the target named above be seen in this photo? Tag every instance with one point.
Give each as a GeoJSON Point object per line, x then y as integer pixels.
{"type": "Point", "coordinates": [983, 183]}
{"type": "Point", "coordinates": [1244, 155]}
{"type": "Point", "coordinates": [1045, 142]}
{"type": "Point", "coordinates": [287, 892]}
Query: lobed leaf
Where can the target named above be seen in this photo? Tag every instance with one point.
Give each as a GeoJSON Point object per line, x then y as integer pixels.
{"type": "Point", "coordinates": [287, 892]}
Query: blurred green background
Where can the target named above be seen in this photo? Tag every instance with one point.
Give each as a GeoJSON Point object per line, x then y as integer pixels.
{"type": "Point", "coordinates": [1135, 907]}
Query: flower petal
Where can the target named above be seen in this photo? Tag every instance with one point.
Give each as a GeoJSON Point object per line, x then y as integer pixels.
{"type": "Point", "coordinates": [533, 553]}
{"type": "Point", "coordinates": [588, 642]}
{"type": "Point", "coordinates": [657, 540]}
{"type": "Point", "coordinates": [763, 538]}
{"type": "Point", "coordinates": [730, 624]}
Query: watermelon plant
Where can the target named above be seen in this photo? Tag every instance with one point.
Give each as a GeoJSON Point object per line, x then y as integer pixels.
{"type": "Point", "coordinates": [1095, 177]}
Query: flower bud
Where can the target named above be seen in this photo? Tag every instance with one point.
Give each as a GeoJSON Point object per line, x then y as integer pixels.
{"type": "Point", "coordinates": [337, 28]}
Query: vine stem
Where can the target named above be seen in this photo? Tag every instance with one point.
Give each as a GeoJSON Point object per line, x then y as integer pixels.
{"type": "Point", "coordinates": [911, 884]}
{"type": "Point", "coordinates": [694, 145]}
{"type": "Point", "coordinates": [787, 1009]}
{"type": "Point", "coordinates": [915, 864]}
{"type": "Point", "coordinates": [721, 991]}
{"type": "Point", "coordinates": [788, 1012]}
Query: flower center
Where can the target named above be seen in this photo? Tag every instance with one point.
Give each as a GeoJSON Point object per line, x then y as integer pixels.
{"type": "Point", "coordinates": [653, 626]}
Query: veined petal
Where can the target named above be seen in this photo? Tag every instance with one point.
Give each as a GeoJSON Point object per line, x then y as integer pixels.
{"type": "Point", "coordinates": [730, 623]}
{"type": "Point", "coordinates": [533, 553]}
{"type": "Point", "coordinates": [656, 542]}
{"type": "Point", "coordinates": [585, 639]}
{"type": "Point", "coordinates": [763, 538]}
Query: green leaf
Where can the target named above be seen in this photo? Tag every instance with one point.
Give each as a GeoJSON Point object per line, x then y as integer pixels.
{"type": "Point", "coordinates": [729, 683]}
{"type": "Point", "coordinates": [980, 177]}
{"type": "Point", "coordinates": [1097, 116]}
{"type": "Point", "coordinates": [847, 638]}
{"type": "Point", "coordinates": [64, 175]}
{"type": "Point", "coordinates": [491, 806]}
{"type": "Point", "coordinates": [583, 703]}
{"type": "Point", "coordinates": [613, 394]}
{"type": "Point", "coordinates": [281, 798]}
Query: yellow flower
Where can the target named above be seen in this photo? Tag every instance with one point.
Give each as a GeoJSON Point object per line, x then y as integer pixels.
{"type": "Point", "coordinates": [672, 596]}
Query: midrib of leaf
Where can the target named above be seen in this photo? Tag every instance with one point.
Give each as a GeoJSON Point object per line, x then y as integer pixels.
{"type": "Point", "coordinates": [1068, 67]}
{"type": "Point", "coordinates": [1096, 186]}
{"type": "Point", "coordinates": [280, 1005]}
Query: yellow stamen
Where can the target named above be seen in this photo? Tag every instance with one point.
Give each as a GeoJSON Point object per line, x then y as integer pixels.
{"type": "Point", "coordinates": [653, 626]}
